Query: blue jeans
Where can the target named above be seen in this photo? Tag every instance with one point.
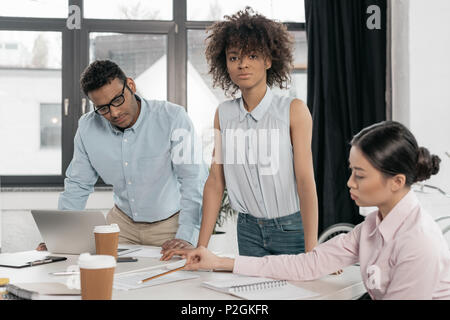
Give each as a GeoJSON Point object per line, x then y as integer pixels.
{"type": "Point", "coordinates": [259, 237]}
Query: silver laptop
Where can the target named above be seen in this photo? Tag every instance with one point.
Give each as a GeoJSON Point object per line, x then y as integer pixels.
{"type": "Point", "coordinates": [68, 232]}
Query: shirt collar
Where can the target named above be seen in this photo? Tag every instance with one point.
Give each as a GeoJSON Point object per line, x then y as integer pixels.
{"type": "Point", "coordinates": [258, 112]}
{"type": "Point", "coordinates": [142, 114]}
{"type": "Point", "coordinates": [395, 218]}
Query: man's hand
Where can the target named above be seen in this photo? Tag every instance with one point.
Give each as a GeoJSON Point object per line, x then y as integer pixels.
{"type": "Point", "coordinates": [174, 244]}
{"type": "Point", "coordinates": [41, 247]}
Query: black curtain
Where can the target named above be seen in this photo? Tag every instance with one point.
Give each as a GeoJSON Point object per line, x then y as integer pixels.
{"type": "Point", "coordinates": [346, 92]}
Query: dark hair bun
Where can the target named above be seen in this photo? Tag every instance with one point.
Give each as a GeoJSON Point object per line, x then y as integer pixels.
{"type": "Point", "coordinates": [427, 165]}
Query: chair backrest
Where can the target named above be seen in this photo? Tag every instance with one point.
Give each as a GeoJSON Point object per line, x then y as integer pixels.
{"type": "Point", "coordinates": [334, 230]}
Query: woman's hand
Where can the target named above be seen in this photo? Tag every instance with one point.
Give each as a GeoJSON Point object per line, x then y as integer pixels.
{"type": "Point", "coordinates": [200, 259]}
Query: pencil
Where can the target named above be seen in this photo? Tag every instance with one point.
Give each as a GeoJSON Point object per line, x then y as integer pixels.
{"type": "Point", "coordinates": [161, 274]}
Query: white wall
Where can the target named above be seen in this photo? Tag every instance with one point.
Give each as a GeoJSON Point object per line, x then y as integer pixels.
{"type": "Point", "coordinates": [421, 75]}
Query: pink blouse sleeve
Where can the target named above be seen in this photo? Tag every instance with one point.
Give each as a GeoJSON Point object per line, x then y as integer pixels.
{"type": "Point", "coordinates": [326, 258]}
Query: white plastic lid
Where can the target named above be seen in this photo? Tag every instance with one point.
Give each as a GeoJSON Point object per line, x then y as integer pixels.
{"type": "Point", "coordinates": [110, 228]}
{"type": "Point", "coordinates": [88, 261]}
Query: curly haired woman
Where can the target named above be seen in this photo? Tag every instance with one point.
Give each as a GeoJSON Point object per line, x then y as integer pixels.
{"type": "Point", "coordinates": [276, 198]}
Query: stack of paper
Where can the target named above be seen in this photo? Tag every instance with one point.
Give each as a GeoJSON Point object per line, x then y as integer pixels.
{"type": "Point", "coordinates": [144, 252]}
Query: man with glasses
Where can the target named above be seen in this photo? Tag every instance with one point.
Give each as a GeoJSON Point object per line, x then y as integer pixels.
{"type": "Point", "coordinates": [131, 143]}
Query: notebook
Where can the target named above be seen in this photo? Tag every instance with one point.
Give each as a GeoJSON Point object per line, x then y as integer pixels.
{"type": "Point", "coordinates": [254, 288]}
{"type": "Point", "coordinates": [43, 291]}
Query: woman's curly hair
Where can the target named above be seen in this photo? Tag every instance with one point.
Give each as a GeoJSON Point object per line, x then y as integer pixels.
{"type": "Point", "coordinates": [249, 31]}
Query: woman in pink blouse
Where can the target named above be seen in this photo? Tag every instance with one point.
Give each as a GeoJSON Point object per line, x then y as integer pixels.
{"type": "Point", "coordinates": [401, 250]}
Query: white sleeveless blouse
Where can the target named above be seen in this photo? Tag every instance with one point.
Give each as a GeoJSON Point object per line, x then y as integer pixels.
{"type": "Point", "coordinates": [257, 157]}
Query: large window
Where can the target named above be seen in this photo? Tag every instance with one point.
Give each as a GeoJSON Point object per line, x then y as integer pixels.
{"type": "Point", "coordinates": [160, 44]}
{"type": "Point", "coordinates": [30, 82]}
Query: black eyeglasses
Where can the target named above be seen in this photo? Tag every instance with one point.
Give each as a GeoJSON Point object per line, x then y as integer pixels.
{"type": "Point", "coordinates": [115, 102]}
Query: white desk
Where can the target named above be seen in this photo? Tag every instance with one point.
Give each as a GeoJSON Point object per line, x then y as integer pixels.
{"type": "Point", "coordinates": [337, 287]}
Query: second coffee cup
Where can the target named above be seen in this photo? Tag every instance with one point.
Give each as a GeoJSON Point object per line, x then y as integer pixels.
{"type": "Point", "coordinates": [107, 239]}
{"type": "Point", "coordinates": [96, 276]}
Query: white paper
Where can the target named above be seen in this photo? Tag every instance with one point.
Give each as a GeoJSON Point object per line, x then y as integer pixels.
{"type": "Point", "coordinates": [156, 264]}
{"type": "Point", "coordinates": [236, 280]}
{"type": "Point", "coordinates": [145, 253]}
{"type": "Point", "coordinates": [131, 281]}
{"type": "Point", "coordinates": [21, 258]}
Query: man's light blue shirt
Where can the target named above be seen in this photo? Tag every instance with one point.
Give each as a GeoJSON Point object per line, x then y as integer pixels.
{"type": "Point", "coordinates": [138, 162]}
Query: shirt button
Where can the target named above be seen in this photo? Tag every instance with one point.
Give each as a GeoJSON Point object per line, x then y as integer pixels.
{"type": "Point", "coordinates": [125, 140]}
{"type": "Point", "coordinates": [129, 182]}
{"type": "Point", "coordinates": [132, 200]}
{"type": "Point", "coordinates": [126, 164]}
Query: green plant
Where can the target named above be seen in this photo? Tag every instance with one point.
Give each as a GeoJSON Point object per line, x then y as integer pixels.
{"type": "Point", "coordinates": [225, 212]}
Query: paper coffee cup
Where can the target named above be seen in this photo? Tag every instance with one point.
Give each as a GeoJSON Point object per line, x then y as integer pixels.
{"type": "Point", "coordinates": [107, 239]}
{"type": "Point", "coordinates": [96, 276]}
